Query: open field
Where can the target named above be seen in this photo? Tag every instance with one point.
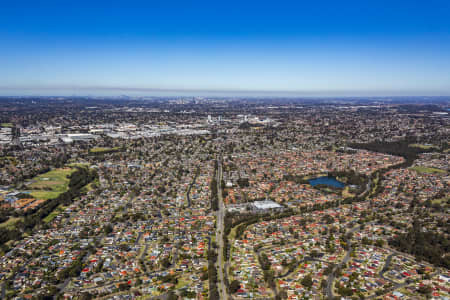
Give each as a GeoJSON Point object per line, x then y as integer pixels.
{"type": "Point", "coordinates": [103, 149]}
{"type": "Point", "coordinates": [81, 165]}
{"type": "Point", "coordinates": [232, 234]}
{"type": "Point", "coordinates": [91, 186]}
{"type": "Point", "coordinates": [8, 158]}
{"type": "Point", "coordinates": [441, 200]}
{"type": "Point", "coordinates": [346, 193]}
{"type": "Point", "coordinates": [420, 169]}
{"type": "Point", "coordinates": [182, 282]}
{"type": "Point", "coordinates": [54, 213]}
{"type": "Point", "coordinates": [51, 184]}
{"type": "Point", "coordinates": [9, 125]}
{"type": "Point", "coordinates": [422, 146]}
{"type": "Point", "coordinates": [10, 222]}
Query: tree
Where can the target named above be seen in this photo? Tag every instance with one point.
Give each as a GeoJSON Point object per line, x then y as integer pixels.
{"type": "Point", "coordinates": [172, 296]}
{"type": "Point", "coordinates": [366, 241]}
{"type": "Point", "coordinates": [124, 286]}
{"type": "Point", "coordinates": [282, 295]}
{"type": "Point", "coordinates": [314, 253]}
{"type": "Point", "coordinates": [85, 296]}
{"type": "Point", "coordinates": [379, 243]}
{"type": "Point", "coordinates": [425, 289]}
{"type": "Point", "coordinates": [307, 281]}
{"type": "Point", "coordinates": [234, 286]}
{"type": "Point", "coordinates": [108, 229]}
{"type": "Point", "coordinates": [165, 262]}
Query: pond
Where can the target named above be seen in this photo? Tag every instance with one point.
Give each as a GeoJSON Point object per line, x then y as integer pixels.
{"type": "Point", "coordinates": [327, 180]}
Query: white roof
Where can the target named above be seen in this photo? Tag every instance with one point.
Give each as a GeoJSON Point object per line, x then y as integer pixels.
{"type": "Point", "coordinates": [266, 204]}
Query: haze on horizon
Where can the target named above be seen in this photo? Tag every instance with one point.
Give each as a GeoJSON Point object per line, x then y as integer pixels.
{"type": "Point", "coordinates": [345, 48]}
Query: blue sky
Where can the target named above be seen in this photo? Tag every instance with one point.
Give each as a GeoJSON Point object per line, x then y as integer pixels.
{"type": "Point", "coordinates": [225, 47]}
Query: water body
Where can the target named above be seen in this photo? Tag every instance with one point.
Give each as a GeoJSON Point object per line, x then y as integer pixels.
{"type": "Point", "coordinates": [327, 180]}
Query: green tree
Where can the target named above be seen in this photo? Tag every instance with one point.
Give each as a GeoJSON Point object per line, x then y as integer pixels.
{"type": "Point", "coordinates": [307, 281]}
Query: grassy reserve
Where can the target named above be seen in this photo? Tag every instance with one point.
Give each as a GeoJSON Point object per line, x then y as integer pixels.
{"type": "Point", "coordinates": [91, 186]}
{"type": "Point", "coordinates": [441, 200]}
{"type": "Point", "coordinates": [81, 165]}
{"type": "Point", "coordinates": [10, 223]}
{"type": "Point", "coordinates": [51, 184]}
{"type": "Point", "coordinates": [99, 150]}
{"type": "Point", "coordinates": [54, 213]}
{"type": "Point", "coordinates": [422, 146]}
{"type": "Point", "coordinates": [421, 170]}
{"type": "Point", "coordinates": [8, 159]}
{"type": "Point", "coordinates": [346, 193]}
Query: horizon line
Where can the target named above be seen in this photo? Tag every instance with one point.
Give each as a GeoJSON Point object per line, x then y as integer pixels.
{"type": "Point", "coordinates": [60, 91]}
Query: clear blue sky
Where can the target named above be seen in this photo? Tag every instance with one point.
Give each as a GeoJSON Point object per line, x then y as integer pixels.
{"type": "Point", "coordinates": [364, 47]}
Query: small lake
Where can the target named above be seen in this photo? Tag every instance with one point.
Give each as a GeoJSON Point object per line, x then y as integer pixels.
{"type": "Point", "coordinates": [330, 181]}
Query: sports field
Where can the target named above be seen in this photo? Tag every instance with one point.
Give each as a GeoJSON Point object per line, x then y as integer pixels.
{"type": "Point", "coordinates": [51, 184]}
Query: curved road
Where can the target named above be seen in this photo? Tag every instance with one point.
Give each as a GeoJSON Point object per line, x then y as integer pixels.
{"type": "Point", "coordinates": [190, 187]}
{"type": "Point", "coordinates": [330, 279]}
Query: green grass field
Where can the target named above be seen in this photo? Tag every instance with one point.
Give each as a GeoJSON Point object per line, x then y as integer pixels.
{"type": "Point", "coordinates": [182, 282]}
{"type": "Point", "coordinates": [10, 223]}
{"type": "Point", "coordinates": [8, 158]}
{"type": "Point", "coordinates": [9, 125]}
{"type": "Point", "coordinates": [54, 213]}
{"type": "Point", "coordinates": [420, 169]}
{"type": "Point", "coordinates": [422, 146]}
{"type": "Point", "coordinates": [81, 165]}
{"type": "Point", "coordinates": [440, 201]}
{"type": "Point", "coordinates": [90, 186]}
{"type": "Point", "coordinates": [103, 149]}
{"type": "Point", "coordinates": [346, 193]}
{"type": "Point", "coordinates": [51, 184]}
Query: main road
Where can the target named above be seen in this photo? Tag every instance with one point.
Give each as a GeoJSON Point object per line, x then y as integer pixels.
{"type": "Point", "coordinates": [220, 228]}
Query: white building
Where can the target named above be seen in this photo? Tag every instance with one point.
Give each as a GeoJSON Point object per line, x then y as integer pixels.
{"type": "Point", "coordinates": [265, 205]}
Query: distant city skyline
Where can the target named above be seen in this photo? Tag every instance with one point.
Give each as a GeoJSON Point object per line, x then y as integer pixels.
{"type": "Point", "coordinates": [346, 48]}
